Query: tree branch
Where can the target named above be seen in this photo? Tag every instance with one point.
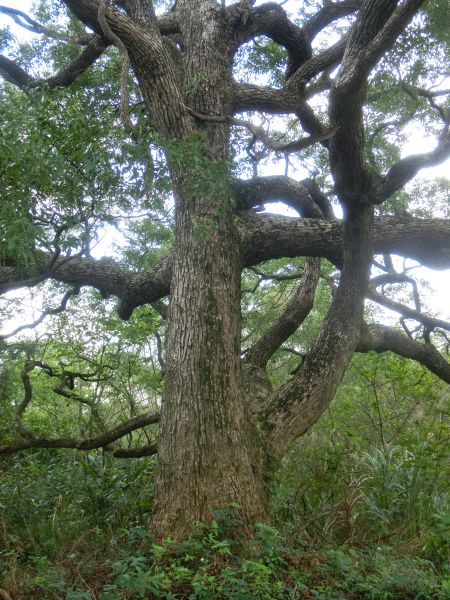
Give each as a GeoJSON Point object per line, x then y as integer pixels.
{"type": "Point", "coordinates": [101, 441]}
{"type": "Point", "coordinates": [331, 11]}
{"type": "Point", "coordinates": [271, 20]}
{"type": "Point", "coordinates": [407, 168]}
{"type": "Point", "coordinates": [297, 404]}
{"type": "Point", "coordinates": [275, 145]}
{"type": "Point", "coordinates": [264, 237]}
{"type": "Point", "coordinates": [25, 21]}
{"type": "Point", "coordinates": [18, 76]}
{"type": "Point", "coordinates": [295, 313]}
{"type": "Point", "coordinates": [320, 62]}
{"type": "Point", "coordinates": [380, 338]}
{"type": "Point", "coordinates": [47, 312]}
{"type": "Point", "coordinates": [13, 73]}
{"type": "Point", "coordinates": [149, 450]}
{"type": "Point", "coordinates": [254, 97]}
{"type": "Point", "coordinates": [377, 27]}
{"type": "Point", "coordinates": [271, 236]}
{"type": "Point", "coordinates": [257, 191]}
{"type": "Point", "coordinates": [430, 323]}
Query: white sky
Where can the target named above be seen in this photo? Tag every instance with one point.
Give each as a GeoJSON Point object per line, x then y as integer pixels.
{"type": "Point", "coordinates": [439, 301]}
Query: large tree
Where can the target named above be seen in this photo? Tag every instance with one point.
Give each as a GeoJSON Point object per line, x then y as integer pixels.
{"type": "Point", "coordinates": [169, 117]}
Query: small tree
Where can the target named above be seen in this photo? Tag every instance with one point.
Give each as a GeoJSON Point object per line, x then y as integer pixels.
{"type": "Point", "coordinates": [90, 143]}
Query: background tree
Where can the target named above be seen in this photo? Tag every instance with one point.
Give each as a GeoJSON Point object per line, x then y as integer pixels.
{"type": "Point", "coordinates": [86, 145]}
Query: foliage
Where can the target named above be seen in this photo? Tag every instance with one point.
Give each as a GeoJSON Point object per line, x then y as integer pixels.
{"type": "Point", "coordinates": [211, 563]}
{"type": "Point", "coordinates": [355, 519]}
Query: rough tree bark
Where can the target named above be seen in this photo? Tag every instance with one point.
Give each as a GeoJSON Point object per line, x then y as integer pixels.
{"type": "Point", "coordinates": [223, 430]}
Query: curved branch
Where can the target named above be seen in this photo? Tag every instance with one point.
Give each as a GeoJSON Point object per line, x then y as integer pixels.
{"type": "Point", "coordinates": [378, 25]}
{"type": "Point", "coordinates": [297, 404]}
{"type": "Point", "coordinates": [303, 196]}
{"type": "Point", "coordinates": [331, 11]}
{"type": "Point", "coordinates": [271, 20]}
{"type": "Point", "coordinates": [25, 21]}
{"type": "Point", "coordinates": [49, 311]}
{"type": "Point", "coordinates": [407, 168]}
{"type": "Point", "coordinates": [380, 338]}
{"type": "Point", "coordinates": [286, 148]}
{"type": "Point", "coordinates": [150, 60]}
{"type": "Point", "coordinates": [101, 441]}
{"type": "Point", "coordinates": [22, 406]}
{"type": "Point", "coordinates": [430, 323]}
{"type": "Point", "coordinates": [296, 312]}
{"type": "Point", "coordinates": [18, 76]}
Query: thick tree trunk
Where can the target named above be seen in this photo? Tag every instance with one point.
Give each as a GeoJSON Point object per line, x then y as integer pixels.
{"type": "Point", "coordinates": [209, 451]}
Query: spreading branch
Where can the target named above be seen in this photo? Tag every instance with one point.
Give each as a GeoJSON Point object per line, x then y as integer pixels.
{"type": "Point", "coordinates": [19, 77]}
{"type": "Point", "coordinates": [104, 440]}
{"type": "Point", "coordinates": [47, 312]}
{"type": "Point", "coordinates": [23, 20]}
{"type": "Point", "coordinates": [407, 168]}
{"type": "Point", "coordinates": [264, 237]}
{"type": "Point", "coordinates": [380, 338]}
{"type": "Point", "coordinates": [292, 317]}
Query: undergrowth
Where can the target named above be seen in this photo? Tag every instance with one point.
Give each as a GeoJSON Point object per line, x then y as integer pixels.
{"type": "Point", "coordinates": [77, 529]}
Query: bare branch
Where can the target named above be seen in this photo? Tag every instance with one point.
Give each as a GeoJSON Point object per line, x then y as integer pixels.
{"type": "Point", "coordinates": [18, 76]}
{"type": "Point", "coordinates": [25, 21]}
{"type": "Point", "coordinates": [102, 441]}
{"type": "Point", "coordinates": [291, 319]}
{"type": "Point", "coordinates": [380, 338]}
{"type": "Point", "coordinates": [47, 312]}
{"type": "Point", "coordinates": [430, 323]}
{"type": "Point", "coordinates": [286, 148]}
{"type": "Point", "coordinates": [331, 11]}
{"type": "Point", "coordinates": [408, 167]}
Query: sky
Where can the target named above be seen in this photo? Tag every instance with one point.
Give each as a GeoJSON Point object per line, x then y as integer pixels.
{"type": "Point", "coordinates": [439, 280]}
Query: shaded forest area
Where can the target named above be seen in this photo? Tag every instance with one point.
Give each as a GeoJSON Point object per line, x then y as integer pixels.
{"type": "Point", "coordinates": [204, 395]}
